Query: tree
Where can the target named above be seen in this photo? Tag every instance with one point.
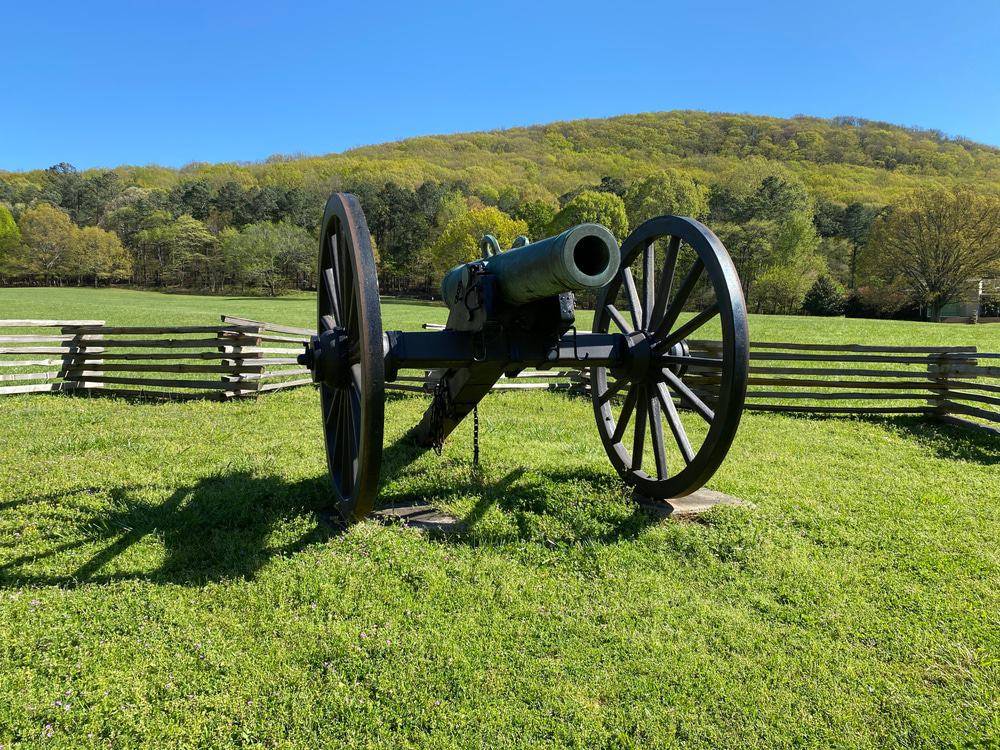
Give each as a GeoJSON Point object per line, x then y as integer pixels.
{"type": "Point", "coordinates": [666, 192]}
{"type": "Point", "coordinates": [459, 242]}
{"type": "Point", "coordinates": [757, 188]}
{"type": "Point", "coordinates": [99, 254]}
{"type": "Point", "coordinates": [779, 289]}
{"type": "Point", "coordinates": [130, 212]}
{"type": "Point", "coordinates": [538, 215]}
{"type": "Point", "coordinates": [606, 209]}
{"type": "Point", "coordinates": [793, 267]}
{"type": "Point", "coordinates": [192, 197]}
{"type": "Point", "coordinates": [268, 256]}
{"type": "Point", "coordinates": [825, 297]}
{"type": "Point", "coordinates": [10, 242]}
{"type": "Point", "coordinates": [857, 224]}
{"type": "Point", "coordinates": [62, 186]}
{"type": "Point", "coordinates": [49, 235]}
{"type": "Point", "coordinates": [934, 242]}
{"type": "Point", "coordinates": [93, 196]}
{"type": "Point", "coordinates": [176, 251]}
{"type": "Point", "coordinates": [749, 245]}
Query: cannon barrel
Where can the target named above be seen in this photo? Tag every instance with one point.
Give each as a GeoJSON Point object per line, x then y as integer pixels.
{"type": "Point", "coordinates": [583, 257]}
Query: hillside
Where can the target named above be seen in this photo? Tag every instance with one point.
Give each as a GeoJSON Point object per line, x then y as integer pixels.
{"type": "Point", "coordinates": [793, 200]}
{"type": "Point", "coordinates": [844, 159]}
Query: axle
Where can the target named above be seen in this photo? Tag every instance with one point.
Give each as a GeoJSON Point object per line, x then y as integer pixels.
{"type": "Point", "coordinates": [466, 364]}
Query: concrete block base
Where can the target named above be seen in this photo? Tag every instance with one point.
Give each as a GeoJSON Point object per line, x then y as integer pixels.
{"type": "Point", "coordinates": [690, 506]}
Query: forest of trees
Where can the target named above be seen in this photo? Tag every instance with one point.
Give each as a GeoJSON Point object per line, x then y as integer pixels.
{"type": "Point", "coordinates": [805, 206]}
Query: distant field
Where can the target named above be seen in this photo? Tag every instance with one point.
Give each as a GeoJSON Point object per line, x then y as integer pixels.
{"type": "Point", "coordinates": [123, 306]}
{"type": "Point", "coordinates": [164, 581]}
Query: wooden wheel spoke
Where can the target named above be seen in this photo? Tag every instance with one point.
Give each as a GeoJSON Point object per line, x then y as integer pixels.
{"type": "Point", "coordinates": [690, 327]}
{"type": "Point", "coordinates": [626, 414]}
{"type": "Point", "coordinates": [346, 293]}
{"type": "Point", "coordinates": [330, 285]}
{"type": "Point", "coordinates": [639, 436]}
{"type": "Point", "coordinates": [674, 421]}
{"type": "Point", "coordinates": [336, 271]}
{"type": "Point", "coordinates": [656, 432]}
{"type": "Point", "coordinates": [677, 305]}
{"type": "Point", "coordinates": [340, 444]}
{"type": "Point", "coordinates": [648, 260]}
{"type": "Point", "coordinates": [688, 396]}
{"type": "Point", "coordinates": [612, 390]}
{"type": "Point", "coordinates": [665, 285]}
{"type": "Point", "coordinates": [632, 298]}
{"type": "Point", "coordinates": [618, 319]}
{"type": "Point", "coordinates": [354, 433]}
{"type": "Point", "coordinates": [334, 399]}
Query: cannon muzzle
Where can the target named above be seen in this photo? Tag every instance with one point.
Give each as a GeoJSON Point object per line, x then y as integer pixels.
{"type": "Point", "coordinates": [583, 257]}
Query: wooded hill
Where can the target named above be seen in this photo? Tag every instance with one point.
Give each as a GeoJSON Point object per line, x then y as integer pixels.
{"type": "Point", "coordinates": [843, 159]}
{"type": "Point", "coordinates": [793, 199]}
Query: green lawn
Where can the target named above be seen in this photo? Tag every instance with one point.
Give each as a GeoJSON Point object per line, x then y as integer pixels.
{"type": "Point", "coordinates": [164, 581]}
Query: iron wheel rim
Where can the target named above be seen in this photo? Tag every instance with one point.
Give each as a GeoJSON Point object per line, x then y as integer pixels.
{"type": "Point", "coordinates": [353, 416]}
{"type": "Point", "coordinates": [652, 317]}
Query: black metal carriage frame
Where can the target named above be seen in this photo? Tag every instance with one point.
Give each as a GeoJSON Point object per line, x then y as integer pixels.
{"type": "Point", "coordinates": [637, 353]}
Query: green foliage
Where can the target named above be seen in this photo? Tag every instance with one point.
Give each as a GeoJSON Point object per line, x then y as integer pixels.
{"type": "Point", "coordinates": [459, 242]}
{"type": "Point", "coordinates": [272, 257]}
{"type": "Point", "coordinates": [99, 255]}
{"type": "Point", "coordinates": [603, 208]}
{"type": "Point", "coordinates": [750, 246]}
{"type": "Point", "coordinates": [537, 215]}
{"type": "Point", "coordinates": [665, 192]}
{"type": "Point", "coordinates": [932, 243]}
{"type": "Point", "coordinates": [10, 241]}
{"type": "Point", "coordinates": [174, 251]}
{"type": "Point", "coordinates": [758, 189]}
{"type": "Point", "coordinates": [48, 235]}
{"type": "Point", "coordinates": [758, 173]}
{"type": "Point", "coordinates": [826, 297]}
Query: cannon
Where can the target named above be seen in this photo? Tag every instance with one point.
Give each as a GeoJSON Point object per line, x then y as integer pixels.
{"type": "Point", "coordinates": [515, 309]}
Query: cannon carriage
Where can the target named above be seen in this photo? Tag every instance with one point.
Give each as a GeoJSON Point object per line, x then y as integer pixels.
{"type": "Point", "coordinates": [515, 309]}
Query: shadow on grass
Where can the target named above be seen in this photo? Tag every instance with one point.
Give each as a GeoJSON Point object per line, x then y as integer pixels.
{"type": "Point", "coordinates": [525, 497]}
{"type": "Point", "coordinates": [944, 440]}
{"type": "Point", "coordinates": [948, 441]}
{"type": "Point", "coordinates": [217, 529]}
{"type": "Point", "coordinates": [223, 527]}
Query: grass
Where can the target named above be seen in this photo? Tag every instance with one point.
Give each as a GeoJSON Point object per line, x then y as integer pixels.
{"type": "Point", "coordinates": [164, 581]}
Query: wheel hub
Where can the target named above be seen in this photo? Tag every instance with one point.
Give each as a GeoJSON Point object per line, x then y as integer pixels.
{"type": "Point", "coordinates": [328, 357]}
{"type": "Point", "coordinates": [680, 349]}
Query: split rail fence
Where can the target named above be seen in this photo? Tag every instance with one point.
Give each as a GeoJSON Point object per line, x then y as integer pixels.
{"type": "Point", "coordinates": [243, 357]}
{"type": "Point", "coordinates": [238, 358]}
{"type": "Point", "coordinates": [956, 384]}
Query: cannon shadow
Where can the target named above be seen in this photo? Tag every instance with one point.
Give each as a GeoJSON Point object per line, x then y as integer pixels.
{"type": "Point", "coordinates": [521, 499]}
{"type": "Point", "coordinates": [222, 527]}
{"type": "Point", "coordinates": [228, 526]}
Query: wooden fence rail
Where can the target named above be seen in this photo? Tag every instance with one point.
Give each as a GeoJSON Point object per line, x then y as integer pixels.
{"type": "Point", "coordinates": [243, 357]}
{"type": "Point", "coordinates": [237, 358]}
{"type": "Point", "coordinates": [946, 382]}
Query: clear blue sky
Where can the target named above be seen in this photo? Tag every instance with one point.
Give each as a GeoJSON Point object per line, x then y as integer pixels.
{"type": "Point", "coordinates": [108, 83]}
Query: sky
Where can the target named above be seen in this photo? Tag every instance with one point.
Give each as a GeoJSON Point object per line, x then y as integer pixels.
{"type": "Point", "coordinates": [107, 83]}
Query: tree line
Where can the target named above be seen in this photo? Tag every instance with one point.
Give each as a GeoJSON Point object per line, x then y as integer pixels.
{"type": "Point", "coordinates": [793, 251]}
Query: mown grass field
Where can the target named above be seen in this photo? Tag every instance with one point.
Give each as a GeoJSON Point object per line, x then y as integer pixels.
{"type": "Point", "coordinates": [164, 581]}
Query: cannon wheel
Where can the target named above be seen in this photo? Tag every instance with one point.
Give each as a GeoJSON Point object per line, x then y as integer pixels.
{"type": "Point", "coordinates": [650, 314]}
{"type": "Point", "coordinates": [348, 300]}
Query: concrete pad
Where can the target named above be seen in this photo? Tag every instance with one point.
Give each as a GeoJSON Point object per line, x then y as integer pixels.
{"type": "Point", "coordinates": [690, 506]}
{"type": "Point", "coordinates": [419, 516]}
